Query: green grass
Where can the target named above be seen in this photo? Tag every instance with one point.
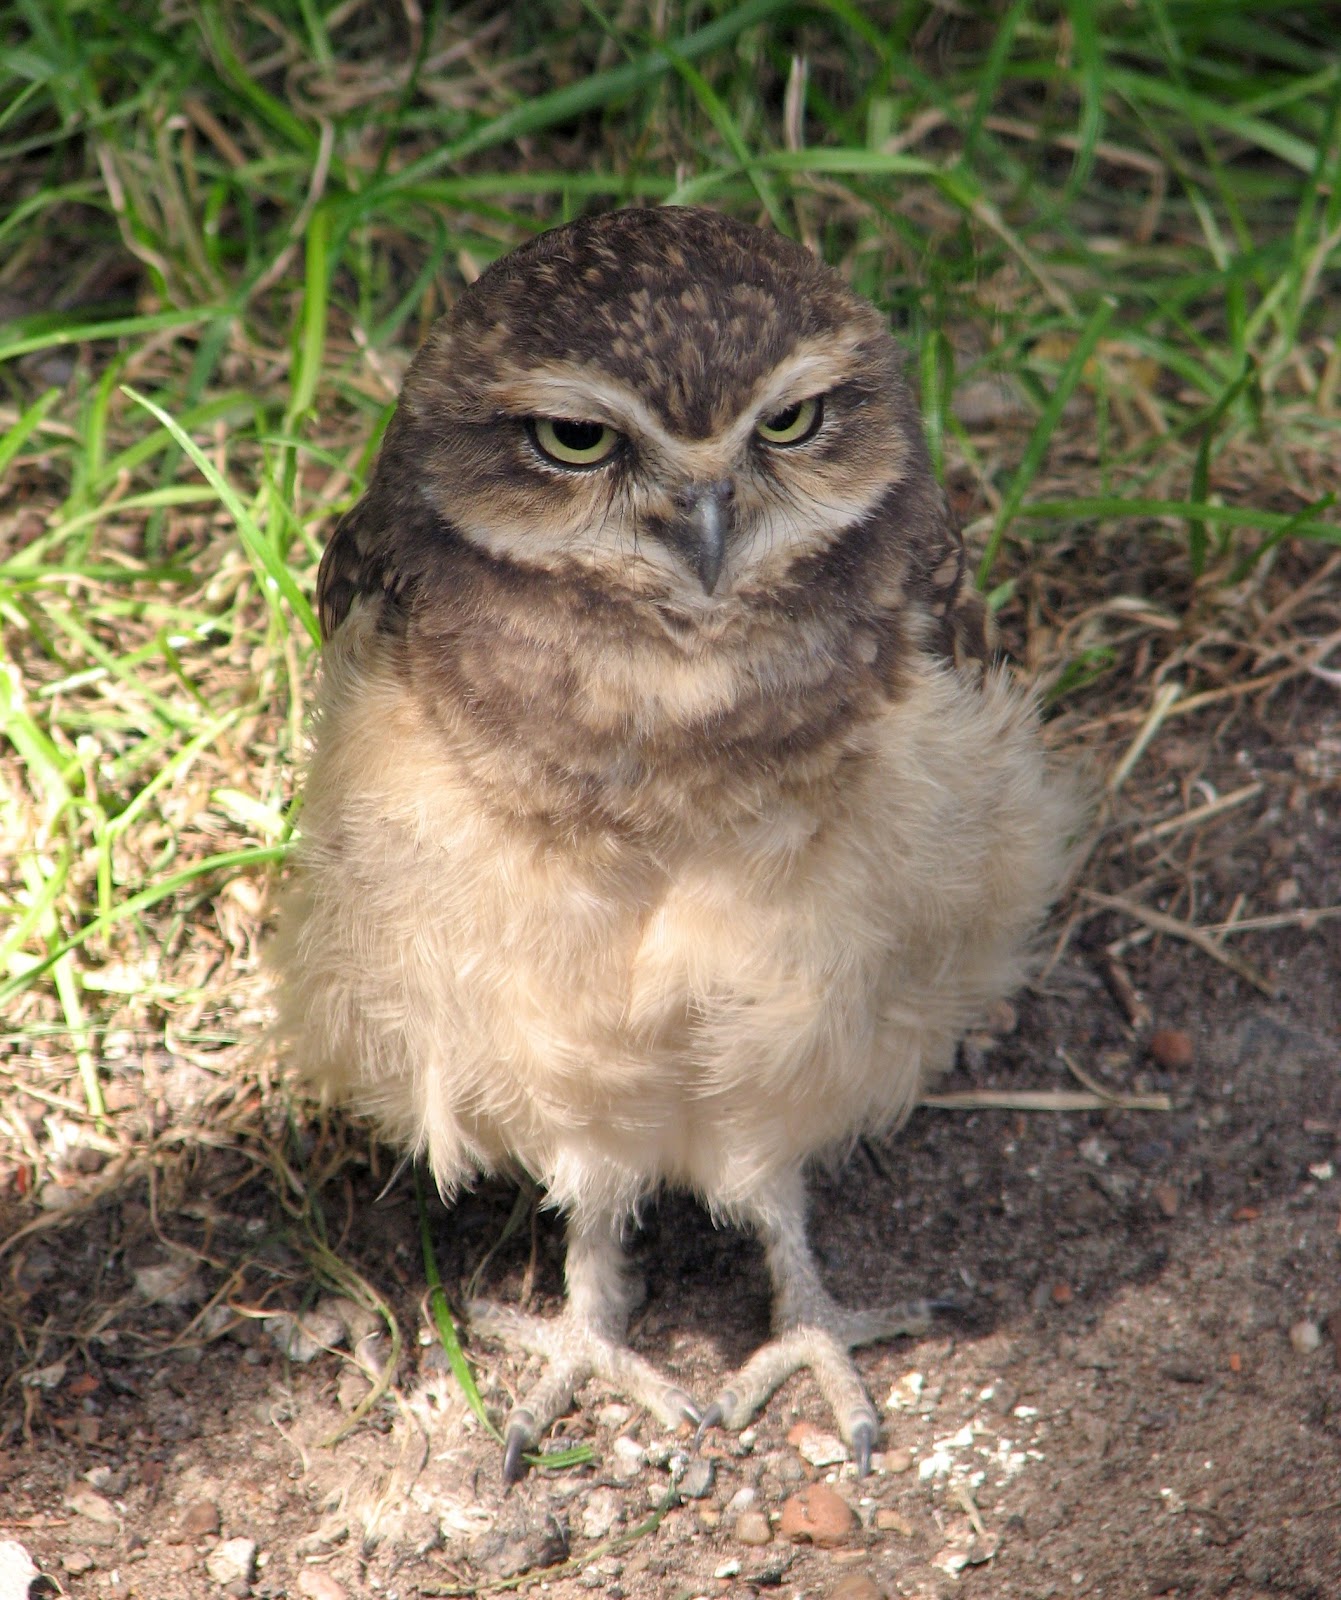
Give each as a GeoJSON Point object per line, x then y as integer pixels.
{"type": "Point", "coordinates": [221, 236]}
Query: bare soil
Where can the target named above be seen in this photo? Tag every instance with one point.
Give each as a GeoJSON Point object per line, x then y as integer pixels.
{"type": "Point", "coordinates": [1139, 1396]}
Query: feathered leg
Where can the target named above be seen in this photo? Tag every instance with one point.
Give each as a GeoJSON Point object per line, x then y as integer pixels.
{"type": "Point", "coordinates": [585, 1341]}
{"type": "Point", "coordinates": [812, 1330]}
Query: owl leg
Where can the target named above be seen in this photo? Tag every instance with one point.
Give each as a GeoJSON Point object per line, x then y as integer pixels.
{"type": "Point", "coordinates": [812, 1330]}
{"type": "Point", "coordinates": [585, 1341]}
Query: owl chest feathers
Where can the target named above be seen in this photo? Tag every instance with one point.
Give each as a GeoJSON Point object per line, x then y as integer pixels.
{"type": "Point", "coordinates": [617, 952]}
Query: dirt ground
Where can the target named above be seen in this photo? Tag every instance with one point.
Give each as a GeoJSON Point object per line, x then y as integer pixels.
{"type": "Point", "coordinates": [1138, 1396]}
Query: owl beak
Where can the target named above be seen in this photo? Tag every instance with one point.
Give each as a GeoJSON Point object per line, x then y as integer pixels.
{"type": "Point", "coordinates": [707, 520]}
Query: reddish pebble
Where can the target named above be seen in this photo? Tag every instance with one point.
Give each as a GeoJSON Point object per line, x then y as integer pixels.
{"type": "Point", "coordinates": [1062, 1294]}
{"type": "Point", "coordinates": [313, 1584]}
{"type": "Point", "coordinates": [1246, 1214]}
{"type": "Point", "coordinates": [857, 1586]}
{"type": "Point", "coordinates": [816, 1515]}
{"type": "Point", "coordinates": [1171, 1048]}
{"type": "Point", "coordinates": [200, 1520]}
{"type": "Point", "coordinates": [1167, 1199]}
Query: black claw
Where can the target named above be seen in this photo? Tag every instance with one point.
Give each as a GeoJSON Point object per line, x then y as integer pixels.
{"type": "Point", "coordinates": [686, 1405]}
{"type": "Point", "coordinates": [944, 1304]}
{"type": "Point", "coordinates": [713, 1417]}
{"type": "Point", "coordinates": [863, 1442]}
{"type": "Point", "coordinates": [516, 1442]}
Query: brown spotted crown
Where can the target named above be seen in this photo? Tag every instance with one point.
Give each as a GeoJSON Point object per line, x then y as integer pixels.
{"type": "Point", "coordinates": [691, 308]}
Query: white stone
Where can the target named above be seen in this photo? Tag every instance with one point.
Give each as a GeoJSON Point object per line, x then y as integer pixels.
{"type": "Point", "coordinates": [822, 1449]}
{"type": "Point", "coordinates": [233, 1559]}
{"type": "Point", "coordinates": [600, 1513]}
{"type": "Point", "coordinates": [1305, 1336]}
{"type": "Point", "coordinates": [627, 1457]}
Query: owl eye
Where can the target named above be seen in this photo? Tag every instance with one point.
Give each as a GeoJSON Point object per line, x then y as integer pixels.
{"type": "Point", "coordinates": [573, 443]}
{"type": "Point", "coordinates": [794, 425]}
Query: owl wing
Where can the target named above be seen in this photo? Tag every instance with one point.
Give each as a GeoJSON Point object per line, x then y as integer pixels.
{"type": "Point", "coordinates": [353, 565]}
{"type": "Point", "coordinates": [940, 581]}
{"type": "Point", "coordinates": [381, 548]}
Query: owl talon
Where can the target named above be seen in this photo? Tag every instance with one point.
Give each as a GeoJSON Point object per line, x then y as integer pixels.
{"type": "Point", "coordinates": [519, 1438]}
{"type": "Point", "coordinates": [687, 1406]}
{"type": "Point", "coordinates": [714, 1416]}
{"type": "Point", "coordinates": [862, 1443]}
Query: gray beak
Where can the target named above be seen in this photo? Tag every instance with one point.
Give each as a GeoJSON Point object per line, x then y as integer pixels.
{"type": "Point", "coordinates": [703, 527]}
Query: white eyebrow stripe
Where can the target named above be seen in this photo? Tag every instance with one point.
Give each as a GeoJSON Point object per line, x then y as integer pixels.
{"type": "Point", "coordinates": [812, 368]}
{"type": "Point", "coordinates": [584, 393]}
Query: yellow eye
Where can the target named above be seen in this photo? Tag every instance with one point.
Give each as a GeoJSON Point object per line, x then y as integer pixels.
{"type": "Point", "coordinates": [572, 443]}
{"type": "Point", "coordinates": [794, 425]}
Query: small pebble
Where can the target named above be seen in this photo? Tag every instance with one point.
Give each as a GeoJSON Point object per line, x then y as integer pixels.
{"type": "Point", "coordinates": [233, 1560]}
{"type": "Point", "coordinates": [627, 1457]}
{"type": "Point", "coordinates": [891, 1521]}
{"type": "Point", "coordinates": [1305, 1336]}
{"type": "Point", "coordinates": [107, 1480]}
{"type": "Point", "coordinates": [1171, 1048]}
{"type": "Point", "coordinates": [899, 1460]}
{"type": "Point", "coordinates": [981, 1549]}
{"type": "Point", "coordinates": [787, 1469]}
{"type": "Point", "coordinates": [200, 1520]}
{"type": "Point", "coordinates": [728, 1569]}
{"type": "Point", "coordinates": [89, 1503]}
{"type": "Point", "coordinates": [314, 1584]}
{"type": "Point", "coordinates": [302, 1338]}
{"type": "Point", "coordinates": [752, 1528]}
{"type": "Point", "coordinates": [951, 1560]}
{"type": "Point", "coordinates": [742, 1500]}
{"type": "Point", "coordinates": [169, 1282]}
{"type": "Point", "coordinates": [698, 1478]}
{"type": "Point", "coordinates": [820, 1449]}
{"type": "Point", "coordinates": [614, 1415]}
{"type": "Point", "coordinates": [1167, 1198]}
{"type": "Point", "coordinates": [817, 1515]}
{"type": "Point", "coordinates": [857, 1586]}
{"type": "Point", "coordinates": [76, 1563]}
{"type": "Point", "coordinates": [600, 1513]}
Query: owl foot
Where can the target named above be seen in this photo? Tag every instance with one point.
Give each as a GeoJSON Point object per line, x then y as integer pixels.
{"type": "Point", "coordinates": [821, 1342]}
{"type": "Point", "coordinates": [575, 1351]}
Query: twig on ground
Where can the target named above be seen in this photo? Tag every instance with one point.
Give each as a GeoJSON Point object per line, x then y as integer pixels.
{"type": "Point", "coordinates": [1161, 922]}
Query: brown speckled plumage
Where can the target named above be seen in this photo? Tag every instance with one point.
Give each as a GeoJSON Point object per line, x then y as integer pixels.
{"type": "Point", "coordinates": [667, 818]}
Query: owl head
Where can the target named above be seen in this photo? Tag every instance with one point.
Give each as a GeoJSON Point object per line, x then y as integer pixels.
{"type": "Point", "coordinates": [666, 399]}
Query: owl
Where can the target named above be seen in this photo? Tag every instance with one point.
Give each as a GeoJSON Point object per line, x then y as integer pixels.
{"type": "Point", "coordinates": [667, 819]}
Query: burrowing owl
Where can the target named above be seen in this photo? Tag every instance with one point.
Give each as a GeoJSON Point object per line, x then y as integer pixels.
{"type": "Point", "coordinates": [666, 820]}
